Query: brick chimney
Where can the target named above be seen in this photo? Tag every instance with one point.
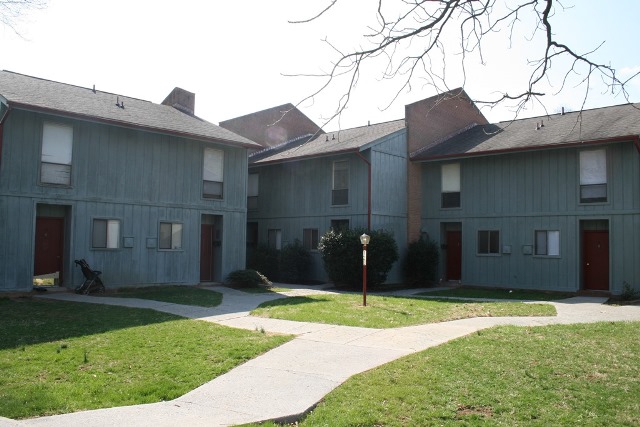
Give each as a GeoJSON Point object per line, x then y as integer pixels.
{"type": "Point", "coordinates": [181, 100]}
{"type": "Point", "coordinates": [429, 121]}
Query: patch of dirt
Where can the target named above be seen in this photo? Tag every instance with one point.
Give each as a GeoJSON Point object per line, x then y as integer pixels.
{"type": "Point", "coordinates": [466, 410]}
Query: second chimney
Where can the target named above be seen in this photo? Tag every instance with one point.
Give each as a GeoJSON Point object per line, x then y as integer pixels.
{"type": "Point", "coordinates": [182, 100]}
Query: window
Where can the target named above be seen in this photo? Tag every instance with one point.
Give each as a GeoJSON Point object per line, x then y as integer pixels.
{"type": "Point", "coordinates": [340, 189]}
{"type": "Point", "coordinates": [170, 235]}
{"type": "Point", "coordinates": [252, 191]}
{"type": "Point", "coordinates": [275, 239]}
{"type": "Point", "coordinates": [339, 224]}
{"type": "Point", "coordinates": [212, 173]}
{"type": "Point", "coordinates": [310, 239]}
{"type": "Point", "coordinates": [106, 234]}
{"type": "Point", "coordinates": [451, 185]}
{"type": "Point", "coordinates": [57, 145]}
{"type": "Point", "coordinates": [593, 176]}
{"type": "Point", "coordinates": [488, 242]}
{"type": "Point", "coordinates": [547, 242]}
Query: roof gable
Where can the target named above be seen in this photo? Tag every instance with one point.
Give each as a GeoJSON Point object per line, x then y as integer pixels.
{"type": "Point", "coordinates": [31, 93]}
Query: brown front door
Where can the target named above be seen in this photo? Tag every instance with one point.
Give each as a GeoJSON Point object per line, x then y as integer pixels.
{"type": "Point", "coordinates": [206, 252]}
{"type": "Point", "coordinates": [454, 255]}
{"type": "Point", "coordinates": [49, 246]}
{"type": "Point", "coordinates": [595, 259]}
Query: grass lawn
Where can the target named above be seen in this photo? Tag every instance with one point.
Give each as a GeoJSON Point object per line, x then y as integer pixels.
{"type": "Point", "coordinates": [564, 375]}
{"type": "Point", "coordinates": [58, 357]}
{"type": "Point", "coordinates": [186, 295]}
{"type": "Point", "coordinates": [389, 311]}
{"type": "Point", "coordinates": [498, 294]}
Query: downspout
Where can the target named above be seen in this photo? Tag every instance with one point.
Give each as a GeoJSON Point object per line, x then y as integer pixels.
{"type": "Point", "coordinates": [368, 189]}
{"type": "Point", "coordinates": [636, 142]}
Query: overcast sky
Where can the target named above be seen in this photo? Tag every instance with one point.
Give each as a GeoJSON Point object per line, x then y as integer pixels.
{"type": "Point", "coordinates": [234, 54]}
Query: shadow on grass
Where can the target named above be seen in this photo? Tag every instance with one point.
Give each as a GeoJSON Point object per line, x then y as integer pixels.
{"type": "Point", "coordinates": [27, 321]}
{"type": "Point", "coordinates": [295, 301]}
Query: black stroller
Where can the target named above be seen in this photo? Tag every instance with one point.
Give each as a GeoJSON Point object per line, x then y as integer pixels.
{"type": "Point", "coordinates": [92, 282]}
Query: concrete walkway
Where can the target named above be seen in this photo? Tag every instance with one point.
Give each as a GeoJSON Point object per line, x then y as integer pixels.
{"type": "Point", "coordinates": [289, 380]}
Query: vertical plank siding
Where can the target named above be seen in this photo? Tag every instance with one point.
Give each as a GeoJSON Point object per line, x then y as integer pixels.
{"type": "Point", "coordinates": [140, 178]}
{"type": "Point", "coordinates": [297, 195]}
{"type": "Point", "coordinates": [523, 192]}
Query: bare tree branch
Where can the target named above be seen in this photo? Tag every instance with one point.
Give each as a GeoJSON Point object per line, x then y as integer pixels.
{"type": "Point", "coordinates": [417, 46]}
{"type": "Point", "coordinates": [12, 10]}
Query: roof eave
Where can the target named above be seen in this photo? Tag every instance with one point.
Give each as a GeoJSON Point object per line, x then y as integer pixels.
{"type": "Point", "coordinates": [307, 157]}
{"type": "Point", "coordinates": [625, 138]}
{"type": "Point", "coordinates": [87, 117]}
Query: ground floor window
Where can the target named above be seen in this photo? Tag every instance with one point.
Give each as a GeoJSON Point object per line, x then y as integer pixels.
{"type": "Point", "coordinates": [339, 224]}
{"type": "Point", "coordinates": [275, 238]}
{"type": "Point", "coordinates": [170, 235]}
{"type": "Point", "coordinates": [105, 234]}
{"type": "Point", "coordinates": [547, 242]}
{"type": "Point", "coordinates": [488, 242]}
{"type": "Point", "coordinates": [310, 239]}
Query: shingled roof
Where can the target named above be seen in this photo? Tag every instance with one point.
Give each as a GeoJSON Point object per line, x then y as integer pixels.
{"type": "Point", "coordinates": [588, 126]}
{"type": "Point", "coordinates": [347, 140]}
{"type": "Point", "coordinates": [30, 93]}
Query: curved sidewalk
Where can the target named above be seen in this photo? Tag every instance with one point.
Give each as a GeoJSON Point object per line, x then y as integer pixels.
{"type": "Point", "coordinates": [289, 380]}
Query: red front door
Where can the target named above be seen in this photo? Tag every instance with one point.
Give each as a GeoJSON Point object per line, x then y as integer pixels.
{"type": "Point", "coordinates": [595, 260]}
{"type": "Point", "coordinates": [454, 255]}
{"type": "Point", "coordinates": [49, 246]}
{"type": "Point", "coordinates": [206, 253]}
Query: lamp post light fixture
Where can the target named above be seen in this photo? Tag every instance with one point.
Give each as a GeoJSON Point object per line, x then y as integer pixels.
{"type": "Point", "coordinates": [364, 239]}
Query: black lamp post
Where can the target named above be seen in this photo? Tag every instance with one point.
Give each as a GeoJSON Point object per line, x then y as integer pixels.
{"type": "Point", "coordinates": [364, 239]}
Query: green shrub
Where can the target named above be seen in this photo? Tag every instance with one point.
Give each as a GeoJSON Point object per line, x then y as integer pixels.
{"type": "Point", "coordinates": [295, 262]}
{"type": "Point", "coordinates": [266, 260]}
{"type": "Point", "coordinates": [421, 265]}
{"type": "Point", "coordinates": [342, 255]}
{"type": "Point", "coordinates": [247, 279]}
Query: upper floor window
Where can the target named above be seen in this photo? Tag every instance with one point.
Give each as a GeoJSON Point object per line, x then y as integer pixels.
{"type": "Point", "coordinates": [488, 242]}
{"type": "Point", "coordinates": [105, 234]}
{"type": "Point", "coordinates": [310, 239]}
{"type": "Point", "coordinates": [213, 173]}
{"type": "Point", "coordinates": [593, 176]}
{"type": "Point", "coordinates": [340, 188]}
{"type": "Point", "coordinates": [451, 185]}
{"type": "Point", "coordinates": [547, 242]}
{"type": "Point", "coordinates": [252, 191]}
{"type": "Point", "coordinates": [57, 145]}
{"type": "Point", "coordinates": [170, 235]}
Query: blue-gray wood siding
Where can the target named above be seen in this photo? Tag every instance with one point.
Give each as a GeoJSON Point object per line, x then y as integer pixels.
{"type": "Point", "coordinates": [523, 192]}
{"type": "Point", "coordinates": [297, 195]}
{"type": "Point", "coordinates": [140, 178]}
